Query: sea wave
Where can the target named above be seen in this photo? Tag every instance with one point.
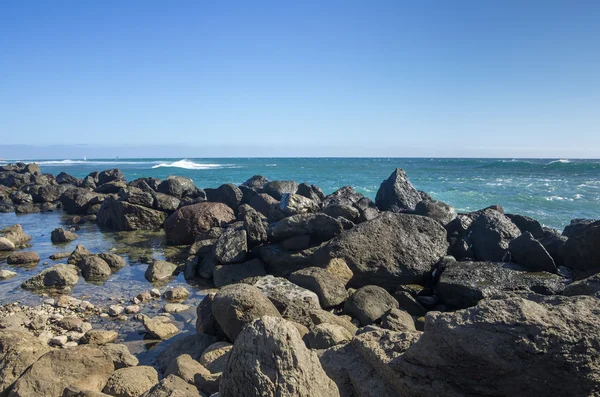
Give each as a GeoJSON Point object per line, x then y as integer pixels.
{"type": "Point", "coordinates": [190, 165]}
{"type": "Point", "coordinates": [87, 162]}
{"type": "Point", "coordinates": [561, 161]}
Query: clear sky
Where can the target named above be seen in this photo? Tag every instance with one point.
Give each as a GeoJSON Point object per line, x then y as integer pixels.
{"type": "Point", "coordinates": [279, 78]}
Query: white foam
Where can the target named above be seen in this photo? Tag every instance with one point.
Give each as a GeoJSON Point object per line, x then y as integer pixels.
{"type": "Point", "coordinates": [189, 165]}
{"type": "Point", "coordinates": [563, 161]}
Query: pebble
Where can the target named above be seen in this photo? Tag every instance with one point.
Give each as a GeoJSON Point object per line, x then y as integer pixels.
{"type": "Point", "coordinates": [132, 309]}
{"type": "Point", "coordinates": [175, 307]}
{"type": "Point", "coordinates": [60, 340]}
{"type": "Point", "coordinates": [155, 292]}
{"type": "Point", "coordinates": [115, 310]}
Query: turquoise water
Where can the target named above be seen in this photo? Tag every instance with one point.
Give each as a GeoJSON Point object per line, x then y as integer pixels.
{"type": "Point", "coordinates": [554, 191]}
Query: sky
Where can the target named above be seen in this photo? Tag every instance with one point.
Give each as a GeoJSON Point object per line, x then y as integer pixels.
{"type": "Point", "coordinates": [466, 78]}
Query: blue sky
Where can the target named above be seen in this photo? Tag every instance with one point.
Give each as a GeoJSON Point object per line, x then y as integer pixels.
{"type": "Point", "coordinates": [282, 78]}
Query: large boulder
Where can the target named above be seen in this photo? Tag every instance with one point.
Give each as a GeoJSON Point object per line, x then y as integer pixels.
{"type": "Point", "coordinates": [23, 258]}
{"type": "Point", "coordinates": [277, 189]}
{"type": "Point", "coordinates": [285, 294]}
{"type": "Point", "coordinates": [111, 175]}
{"type": "Point", "coordinates": [490, 234]}
{"type": "Point", "coordinates": [61, 236]}
{"type": "Point", "coordinates": [173, 386]}
{"type": "Point", "coordinates": [531, 254]}
{"type": "Point", "coordinates": [94, 268]}
{"type": "Point", "coordinates": [464, 284]}
{"type": "Point", "coordinates": [131, 381]}
{"type": "Point", "coordinates": [84, 367]}
{"type": "Point", "coordinates": [527, 224]}
{"type": "Point", "coordinates": [121, 215]}
{"type": "Point", "coordinates": [160, 270]}
{"type": "Point", "coordinates": [16, 235]}
{"type": "Point", "coordinates": [320, 226]}
{"type": "Point", "coordinates": [186, 223]}
{"type": "Point", "coordinates": [281, 262]}
{"type": "Point", "coordinates": [237, 305]}
{"type": "Point", "coordinates": [255, 227]}
{"type": "Point", "coordinates": [231, 274]}
{"type": "Point", "coordinates": [389, 250]}
{"type": "Point", "coordinates": [330, 289]}
{"type": "Point", "coordinates": [186, 368]}
{"type": "Point", "coordinates": [438, 210]}
{"type": "Point", "coordinates": [18, 351]}
{"type": "Point", "coordinates": [176, 186]}
{"type": "Point", "coordinates": [582, 250]}
{"type": "Point", "coordinates": [293, 204]}
{"type": "Point", "coordinates": [57, 276]}
{"type": "Point", "coordinates": [506, 348]}
{"type": "Point", "coordinates": [228, 194]}
{"type": "Point", "coordinates": [77, 200]}
{"type": "Point", "coordinates": [270, 359]}
{"type": "Point", "coordinates": [588, 286]}
{"type": "Point", "coordinates": [396, 193]}
{"type": "Point", "coordinates": [576, 227]}
{"type": "Point", "coordinates": [231, 246]}
{"type": "Point", "coordinates": [369, 303]}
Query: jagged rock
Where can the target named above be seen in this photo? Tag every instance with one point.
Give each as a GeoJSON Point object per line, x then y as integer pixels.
{"type": "Point", "coordinates": [231, 274]}
{"type": "Point", "coordinates": [23, 258]}
{"type": "Point", "coordinates": [111, 187]}
{"type": "Point", "coordinates": [338, 268]}
{"type": "Point", "coordinates": [319, 226]}
{"type": "Point", "coordinates": [172, 386]}
{"type": "Point", "coordinates": [6, 274]}
{"type": "Point", "coordinates": [582, 250]}
{"type": "Point", "coordinates": [114, 261]}
{"type": "Point", "coordinates": [389, 250]}
{"type": "Point", "coordinates": [409, 304]}
{"type": "Point", "coordinates": [369, 303]}
{"type": "Point", "coordinates": [263, 203]}
{"type": "Point", "coordinates": [215, 356]}
{"type": "Point", "coordinates": [77, 200]}
{"type": "Point", "coordinates": [293, 204]}
{"type": "Point", "coordinates": [93, 268]}
{"type": "Point", "coordinates": [531, 254]}
{"type": "Point", "coordinates": [310, 191]}
{"type": "Point", "coordinates": [330, 289]}
{"type": "Point", "coordinates": [137, 196]}
{"type": "Point", "coordinates": [276, 189]}
{"type": "Point", "coordinates": [270, 358]}
{"type": "Point", "coordinates": [587, 286]}
{"type": "Point", "coordinates": [78, 254]}
{"type": "Point", "coordinates": [255, 227]}
{"type": "Point", "coordinates": [228, 194]}
{"type": "Point", "coordinates": [186, 223]}
{"type": "Point", "coordinates": [84, 367]}
{"type": "Point", "coordinates": [281, 262]}
{"type": "Point", "coordinates": [284, 294]}
{"type": "Point", "coordinates": [131, 381]}
{"type": "Point", "coordinates": [231, 246]}
{"type": "Point", "coordinates": [119, 215]}
{"type": "Point", "coordinates": [396, 193]}
{"type": "Point", "coordinates": [159, 270]}
{"type": "Point", "coordinates": [61, 236]}
{"type": "Point", "coordinates": [324, 336]}
{"type": "Point", "coordinates": [236, 305]}
{"type": "Point", "coordinates": [18, 351]}
{"type": "Point", "coordinates": [120, 355]}
{"type": "Point", "coordinates": [64, 178]}
{"type": "Point", "coordinates": [165, 203]}
{"type": "Point", "coordinates": [16, 235]}
{"type": "Point", "coordinates": [341, 210]}
{"type": "Point", "coordinates": [58, 276]}
{"type": "Point", "coordinates": [490, 234]}
{"type": "Point", "coordinates": [437, 210]}
{"type": "Point", "coordinates": [527, 224]}
{"type": "Point", "coordinates": [111, 175]}
{"type": "Point", "coordinates": [576, 227]}
{"type": "Point", "coordinates": [176, 186]}
{"type": "Point", "coordinates": [463, 284]}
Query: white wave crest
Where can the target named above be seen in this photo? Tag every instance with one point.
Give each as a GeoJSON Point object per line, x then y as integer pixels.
{"type": "Point", "coordinates": [563, 161]}
{"type": "Point", "coordinates": [189, 165]}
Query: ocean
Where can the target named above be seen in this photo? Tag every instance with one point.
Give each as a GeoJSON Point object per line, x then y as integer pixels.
{"type": "Point", "coordinates": [553, 191]}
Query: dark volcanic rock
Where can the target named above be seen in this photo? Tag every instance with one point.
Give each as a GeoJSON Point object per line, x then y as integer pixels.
{"type": "Point", "coordinates": [438, 210]}
{"type": "Point", "coordinates": [255, 226]}
{"type": "Point", "coordinates": [231, 274]}
{"type": "Point", "coordinates": [110, 175]}
{"type": "Point", "coordinates": [64, 178]}
{"type": "Point", "coordinates": [137, 196]}
{"type": "Point", "coordinates": [463, 284]}
{"type": "Point", "coordinates": [330, 289]}
{"type": "Point", "coordinates": [94, 268]}
{"type": "Point", "coordinates": [263, 203]}
{"type": "Point", "coordinates": [527, 224]}
{"type": "Point", "coordinates": [320, 226]}
{"type": "Point", "coordinates": [231, 246]}
{"type": "Point", "coordinates": [228, 194]}
{"type": "Point", "coordinates": [389, 250]}
{"type": "Point", "coordinates": [397, 194]}
{"type": "Point", "coordinates": [276, 189]}
{"type": "Point", "coordinates": [281, 262]}
{"type": "Point", "coordinates": [310, 191]}
{"type": "Point", "coordinates": [77, 200]}
{"type": "Point", "coordinates": [342, 210]}
{"type": "Point", "coordinates": [186, 223]}
{"type": "Point", "coordinates": [61, 236]}
{"type": "Point", "coordinates": [529, 253]}
{"type": "Point", "coordinates": [256, 182]}
{"type": "Point", "coordinates": [176, 186]}
{"type": "Point", "coordinates": [369, 303]}
{"type": "Point", "coordinates": [582, 250]}
{"type": "Point", "coordinates": [490, 234]}
{"type": "Point", "coordinates": [587, 286]}
{"type": "Point", "coordinates": [576, 227]}
{"type": "Point", "coordinates": [121, 215]}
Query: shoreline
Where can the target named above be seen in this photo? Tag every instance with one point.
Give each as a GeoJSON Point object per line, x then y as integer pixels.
{"type": "Point", "coordinates": [322, 278]}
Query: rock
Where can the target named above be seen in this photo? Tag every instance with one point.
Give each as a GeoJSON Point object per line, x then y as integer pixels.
{"type": "Point", "coordinates": [531, 254]}
{"type": "Point", "coordinates": [341, 210]}
{"type": "Point", "coordinates": [389, 250]}
{"type": "Point", "coordinates": [284, 294]}
{"type": "Point", "coordinates": [554, 244]}
{"type": "Point", "coordinates": [177, 294]}
{"type": "Point", "coordinates": [310, 191]}
{"type": "Point", "coordinates": [256, 182]}
{"type": "Point", "coordinates": [16, 235]}
{"type": "Point", "coordinates": [76, 392]}
{"type": "Point", "coordinates": [262, 203]}
{"type": "Point", "coordinates": [111, 187]}
{"type": "Point", "coordinates": [119, 215]}
{"type": "Point", "coordinates": [396, 193]}
{"type": "Point", "coordinates": [319, 226]}
{"type": "Point", "coordinates": [160, 270]}
{"type": "Point", "coordinates": [228, 194]}
{"type": "Point", "coordinates": [77, 200]}
{"type": "Point", "coordinates": [114, 261]}
{"type": "Point", "coordinates": [57, 276]}
{"type": "Point", "coordinates": [137, 196]}
{"type": "Point", "coordinates": [73, 323]}
{"type": "Point", "coordinates": [165, 203]}
{"type": "Point", "coordinates": [231, 247]}
{"type": "Point", "coordinates": [111, 175]}
{"type": "Point", "coordinates": [61, 236]}
{"type": "Point", "coordinates": [18, 351]}
{"type": "Point", "coordinates": [6, 244]}
{"type": "Point", "coordinates": [276, 189]}
{"type": "Point", "coordinates": [120, 355]}
{"type": "Point", "coordinates": [131, 381]}
{"type": "Point", "coordinates": [324, 336]}
{"type": "Point", "coordinates": [23, 258]}
{"type": "Point", "coordinates": [409, 304]}
{"type": "Point", "coordinates": [398, 320]}
{"type": "Point", "coordinates": [270, 356]}
{"type": "Point", "coordinates": [172, 386]}
{"type": "Point", "coordinates": [6, 274]}
{"type": "Point", "coordinates": [205, 321]}
{"type": "Point", "coordinates": [175, 308]}
{"type": "Point", "coordinates": [78, 254]}
{"type": "Point", "coordinates": [215, 356]}
{"type": "Point", "coordinates": [186, 223]}
{"type": "Point", "coordinates": [255, 228]}
{"type": "Point", "coordinates": [438, 210]}
{"type": "Point", "coordinates": [490, 233]}
{"type": "Point", "coordinates": [208, 383]}
{"type": "Point", "coordinates": [338, 268]}
{"type": "Point", "coordinates": [176, 186]}
{"type": "Point", "coordinates": [185, 367]}
{"type": "Point", "coordinates": [99, 337]}
{"type": "Point", "coordinates": [93, 268]}
{"type": "Point", "coordinates": [330, 290]}
{"type": "Point", "coordinates": [83, 367]}
{"type": "Point", "coordinates": [296, 243]}
{"type": "Point", "coordinates": [499, 358]}
{"type": "Point", "coordinates": [582, 250]}
{"type": "Point", "coordinates": [527, 224]}
{"type": "Point", "coordinates": [464, 284]}
{"type": "Point", "coordinates": [192, 344]}
{"type": "Point", "coordinates": [368, 304]}
{"type": "Point", "coordinates": [59, 340]}
{"type": "Point", "coordinates": [158, 329]}
{"type": "Point", "coordinates": [588, 286]}
{"type": "Point", "coordinates": [64, 178]}
{"type": "Point", "coordinates": [577, 227]}
{"type": "Point", "coordinates": [236, 305]}
{"type": "Point", "coordinates": [281, 262]}
{"type": "Point", "coordinates": [231, 274]}
{"type": "Point", "coordinates": [293, 204]}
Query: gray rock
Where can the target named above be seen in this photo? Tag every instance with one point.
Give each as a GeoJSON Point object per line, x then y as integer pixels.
{"type": "Point", "coordinates": [531, 254]}
{"type": "Point", "coordinates": [228, 194]}
{"type": "Point", "coordinates": [281, 262]}
{"type": "Point", "coordinates": [389, 250]}
{"type": "Point", "coordinates": [324, 336]}
{"type": "Point", "coordinates": [527, 224]}
{"type": "Point", "coordinates": [61, 236]}
{"type": "Point", "coordinates": [131, 381]}
{"type": "Point", "coordinates": [582, 250]}
{"type": "Point", "coordinates": [58, 276]}
{"type": "Point", "coordinates": [341, 210]}
{"type": "Point", "coordinates": [490, 235]}
{"type": "Point", "coordinates": [158, 328]}
{"type": "Point", "coordinates": [396, 193]}
{"type": "Point", "coordinates": [231, 274]}
{"type": "Point", "coordinates": [23, 258]}
{"type": "Point", "coordinates": [270, 358]}
{"type": "Point", "coordinates": [78, 254]}
{"type": "Point", "coordinates": [121, 216]}
{"type": "Point", "coordinates": [120, 355]}
{"type": "Point", "coordinates": [276, 189]}
{"type": "Point", "coordinates": [294, 204]}
{"type": "Point", "coordinates": [176, 186]}
{"type": "Point", "coordinates": [231, 247]}
{"type": "Point", "coordinates": [320, 226]}
{"type": "Point", "coordinates": [255, 227]}
{"type": "Point", "coordinates": [369, 303]}
{"type": "Point", "coordinates": [93, 268]}
{"type": "Point", "coordinates": [172, 386]}
{"type": "Point", "coordinates": [256, 182]}
{"type": "Point", "coordinates": [577, 227]}
{"type": "Point", "coordinates": [330, 289]}
{"type": "Point", "coordinates": [114, 261]}
{"type": "Point", "coordinates": [215, 356]}
{"type": "Point", "coordinates": [185, 367]}
{"type": "Point", "coordinates": [438, 210]}
{"type": "Point", "coordinates": [186, 223]}
{"type": "Point", "coordinates": [111, 175]}
{"type": "Point", "coordinates": [398, 320]}
{"type": "Point", "coordinates": [588, 286]}
{"type": "Point", "coordinates": [160, 270]}
{"type": "Point", "coordinates": [284, 294]}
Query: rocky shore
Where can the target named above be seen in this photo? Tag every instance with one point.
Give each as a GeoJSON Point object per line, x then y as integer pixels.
{"type": "Point", "coordinates": [314, 294]}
